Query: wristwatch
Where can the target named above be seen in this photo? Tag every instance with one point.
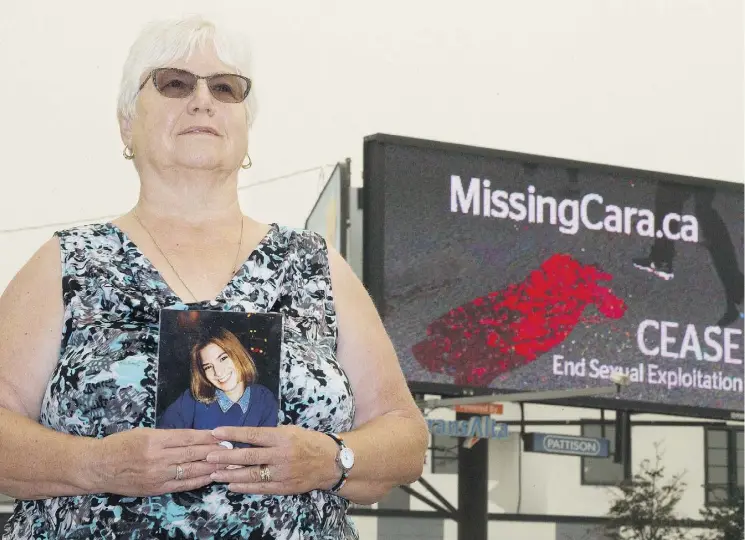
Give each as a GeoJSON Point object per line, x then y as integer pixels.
{"type": "Point", "coordinates": [344, 460]}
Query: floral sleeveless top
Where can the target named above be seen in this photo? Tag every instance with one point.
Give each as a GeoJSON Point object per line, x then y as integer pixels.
{"type": "Point", "coordinates": [105, 382]}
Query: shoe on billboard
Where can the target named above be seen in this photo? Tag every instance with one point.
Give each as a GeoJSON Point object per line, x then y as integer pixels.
{"type": "Point", "coordinates": [660, 269]}
{"type": "Point", "coordinates": [734, 312]}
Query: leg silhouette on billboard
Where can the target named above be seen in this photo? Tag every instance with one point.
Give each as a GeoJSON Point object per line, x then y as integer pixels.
{"type": "Point", "coordinates": [670, 199]}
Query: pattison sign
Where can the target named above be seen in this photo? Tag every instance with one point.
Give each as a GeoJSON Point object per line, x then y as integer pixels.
{"type": "Point", "coordinates": [483, 427]}
{"type": "Point", "coordinates": [567, 445]}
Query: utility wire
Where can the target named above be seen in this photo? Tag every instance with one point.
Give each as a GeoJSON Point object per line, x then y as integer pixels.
{"type": "Point", "coordinates": [321, 170]}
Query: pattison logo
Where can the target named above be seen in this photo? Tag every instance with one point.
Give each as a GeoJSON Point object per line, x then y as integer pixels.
{"type": "Point", "coordinates": [553, 443]}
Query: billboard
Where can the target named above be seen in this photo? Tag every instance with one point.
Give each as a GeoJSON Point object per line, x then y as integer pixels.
{"type": "Point", "coordinates": [496, 271]}
{"type": "Point", "coordinates": [330, 215]}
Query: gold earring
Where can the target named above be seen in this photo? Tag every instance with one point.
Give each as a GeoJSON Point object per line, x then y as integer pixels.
{"type": "Point", "coordinates": [247, 165]}
{"type": "Point", "coordinates": [128, 153]}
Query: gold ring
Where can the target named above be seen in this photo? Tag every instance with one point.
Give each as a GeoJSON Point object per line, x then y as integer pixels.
{"type": "Point", "coordinates": [264, 473]}
{"type": "Point", "coordinates": [179, 472]}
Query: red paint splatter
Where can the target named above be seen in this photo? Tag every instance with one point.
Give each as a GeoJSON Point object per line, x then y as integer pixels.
{"type": "Point", "coordinates": [496, 333]}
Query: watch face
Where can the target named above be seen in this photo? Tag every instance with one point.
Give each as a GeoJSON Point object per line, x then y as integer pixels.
{"type": "Point", "coordinates": [346, 457]}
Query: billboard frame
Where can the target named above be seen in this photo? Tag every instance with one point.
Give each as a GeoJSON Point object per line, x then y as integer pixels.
{"type": "Point", "coordinates": [344, 189]}
{"type": "Point", "coordinates": [373, 276]}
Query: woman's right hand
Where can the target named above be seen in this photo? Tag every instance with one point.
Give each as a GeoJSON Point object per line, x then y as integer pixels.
{"type": "Point", "coordinates": [144, 461]}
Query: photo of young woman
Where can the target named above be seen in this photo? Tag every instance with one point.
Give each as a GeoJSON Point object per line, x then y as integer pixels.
{"type": "Point", "coordinates": [223, 389]}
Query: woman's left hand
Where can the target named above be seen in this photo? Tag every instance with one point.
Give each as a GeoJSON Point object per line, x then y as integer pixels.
{"type": "Point", "coordinates": [296, 460]}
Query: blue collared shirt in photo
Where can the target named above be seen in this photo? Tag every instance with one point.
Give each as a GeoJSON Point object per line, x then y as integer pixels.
{"type": "Point", "coordinates": [225, 402]}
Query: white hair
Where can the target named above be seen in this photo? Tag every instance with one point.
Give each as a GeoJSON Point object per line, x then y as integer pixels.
{"type": "Point", "coordinates": [165, 41]}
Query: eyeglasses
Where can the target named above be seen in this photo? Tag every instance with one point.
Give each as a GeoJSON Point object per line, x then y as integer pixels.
{"type": "Point", "coordinates": [179, 84]}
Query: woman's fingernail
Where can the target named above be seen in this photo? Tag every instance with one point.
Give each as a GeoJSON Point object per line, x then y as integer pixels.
{"type": "Point", "coordinates": [211, 458]}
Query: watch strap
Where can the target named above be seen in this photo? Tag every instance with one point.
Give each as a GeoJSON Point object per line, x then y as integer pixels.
{"type": "Point", "coordinates": [344, 472]}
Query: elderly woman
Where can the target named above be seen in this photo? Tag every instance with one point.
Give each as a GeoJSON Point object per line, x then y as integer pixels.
{"type": "Point", "coordinates": [78, 341]}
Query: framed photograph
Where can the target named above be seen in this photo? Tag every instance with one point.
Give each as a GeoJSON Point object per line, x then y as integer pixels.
{"type": "Point", "coordinates": [218, 368]}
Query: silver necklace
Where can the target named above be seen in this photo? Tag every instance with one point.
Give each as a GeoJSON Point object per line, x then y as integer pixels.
{"type": "Point", "coordinates": [235, 263]}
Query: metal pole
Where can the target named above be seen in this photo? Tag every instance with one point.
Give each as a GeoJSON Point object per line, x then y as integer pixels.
{"type": "Point", "coordinates": [473, 477]}
{"type": "Point", "coordinates": [546, 395]}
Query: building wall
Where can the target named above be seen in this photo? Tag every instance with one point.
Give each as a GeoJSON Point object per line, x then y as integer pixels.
{"type": "Point", "coordinates": [551, 485]}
